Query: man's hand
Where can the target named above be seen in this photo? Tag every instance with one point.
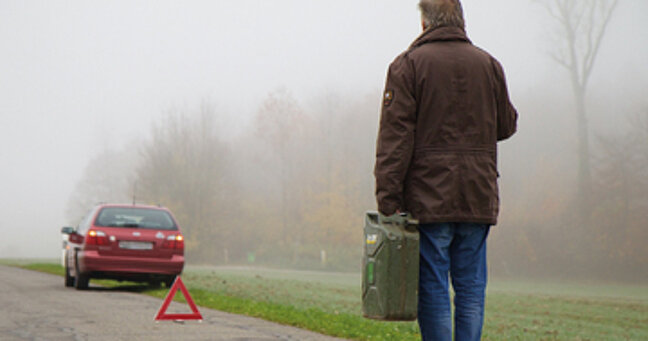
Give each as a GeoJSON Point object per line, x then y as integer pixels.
{"type": "Point", "coordinates": [398, 211]}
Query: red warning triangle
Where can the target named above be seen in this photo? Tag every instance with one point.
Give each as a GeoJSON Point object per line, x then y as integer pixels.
{"type": "Point", "coordinates": [162, 315]}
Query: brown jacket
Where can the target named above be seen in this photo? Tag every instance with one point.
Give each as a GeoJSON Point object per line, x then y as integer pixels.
{"type": "Point", "coordinates": [445, 107]}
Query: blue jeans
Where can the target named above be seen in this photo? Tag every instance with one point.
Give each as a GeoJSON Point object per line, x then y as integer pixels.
{"type": "Point", "coordinates": [460, 250]}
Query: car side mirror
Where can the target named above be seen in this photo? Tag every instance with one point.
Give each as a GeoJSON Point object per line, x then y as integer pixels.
{"type": "Point", "coordinates": [67, 230]}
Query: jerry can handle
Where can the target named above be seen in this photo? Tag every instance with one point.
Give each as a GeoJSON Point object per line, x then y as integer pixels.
{"type": "Point", "coordinates": [410, 223]}
{"type": "Point", "coordinates": [402, 219]}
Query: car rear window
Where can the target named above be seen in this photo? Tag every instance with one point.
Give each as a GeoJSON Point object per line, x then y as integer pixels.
{"type": "Point", "coordinates": [133, 217]}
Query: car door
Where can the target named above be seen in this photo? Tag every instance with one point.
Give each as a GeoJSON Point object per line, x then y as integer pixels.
{"type": "Point", "coordinates": [75, 241]}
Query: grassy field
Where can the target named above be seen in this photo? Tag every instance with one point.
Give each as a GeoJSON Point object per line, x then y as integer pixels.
{"type": "Point", "coordinates": [330, 303]}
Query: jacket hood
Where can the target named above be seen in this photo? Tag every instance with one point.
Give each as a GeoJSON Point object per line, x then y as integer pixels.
{"type": "Point", "coordinates": [442, 33]}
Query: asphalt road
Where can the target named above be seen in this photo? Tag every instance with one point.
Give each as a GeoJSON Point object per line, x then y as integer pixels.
{"type": "Point", "coordinates": [36, 306]}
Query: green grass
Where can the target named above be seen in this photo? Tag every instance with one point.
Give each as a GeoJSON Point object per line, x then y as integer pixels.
{"type": "Point", "coordinates": [329, 303]}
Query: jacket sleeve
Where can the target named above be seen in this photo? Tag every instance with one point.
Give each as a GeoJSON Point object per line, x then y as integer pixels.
{"type": "Point", "coordinates": [395, 143]}
{"type": "Point", "coordinates": [506, 113]}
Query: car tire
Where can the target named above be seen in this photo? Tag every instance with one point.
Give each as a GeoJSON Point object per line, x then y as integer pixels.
{"type": "Point", "coordinates": [69, 280]}
{"type": "Point", "coordinates": [81, 282]}
{"type": "Point", "coordinates": [168, 282]}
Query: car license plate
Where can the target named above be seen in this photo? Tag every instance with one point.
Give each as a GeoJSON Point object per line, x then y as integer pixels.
{"type": "Point", "coordinates": [130, 245]}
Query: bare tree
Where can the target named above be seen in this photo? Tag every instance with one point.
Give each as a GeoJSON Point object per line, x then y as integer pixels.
{"type": "Point", "coordinates": [279, 122]}
{"type": "Point", "coordinates": [621, 196]}
{"type": "Point", "coordinates": [582, 24]}
{"type": "Point", "coordinates": [184, 167]}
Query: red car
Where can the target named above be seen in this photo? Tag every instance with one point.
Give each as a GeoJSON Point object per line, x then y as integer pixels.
{"type": "Point", "coordinates": [124, 242]}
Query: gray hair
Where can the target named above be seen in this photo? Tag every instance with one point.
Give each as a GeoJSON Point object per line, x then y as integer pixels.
{"type": "Point", "coordinates": [436, 13]}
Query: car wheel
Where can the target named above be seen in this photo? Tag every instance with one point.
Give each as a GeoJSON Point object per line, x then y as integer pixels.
{"type": "Point", "coordinates": [82, 281]}
{"type": "Point", "coordinates": [168, 282]}
{"type": "Point", "coordinates": [69, 280]}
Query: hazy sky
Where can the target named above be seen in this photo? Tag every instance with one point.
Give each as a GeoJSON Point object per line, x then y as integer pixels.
{"type": "Point", "coordinates": [80, 76]}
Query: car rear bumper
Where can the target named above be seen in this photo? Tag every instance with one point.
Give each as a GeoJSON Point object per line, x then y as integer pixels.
{"type": "Point", "coordinates": [91, 261]}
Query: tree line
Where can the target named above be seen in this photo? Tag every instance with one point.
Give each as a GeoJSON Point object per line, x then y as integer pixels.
{"type": "Point", "coordinates": [292, 188]}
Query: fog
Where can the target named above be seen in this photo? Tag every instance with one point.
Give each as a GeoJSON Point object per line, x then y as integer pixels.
{"type": "Point", "coordinates": [81, 79]}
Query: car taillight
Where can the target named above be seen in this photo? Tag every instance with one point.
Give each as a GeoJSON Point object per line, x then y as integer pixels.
{"type": "Point", "coordinates": [96, 237]}
{"type": "Point", "coordinates": [174, 242]}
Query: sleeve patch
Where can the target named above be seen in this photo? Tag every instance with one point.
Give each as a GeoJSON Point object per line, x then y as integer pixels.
{"type": "Point", "coordinates": [388, 98]}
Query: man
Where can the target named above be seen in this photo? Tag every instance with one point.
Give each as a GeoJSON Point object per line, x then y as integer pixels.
{"type": "Point", "coordinates": [445, 106]}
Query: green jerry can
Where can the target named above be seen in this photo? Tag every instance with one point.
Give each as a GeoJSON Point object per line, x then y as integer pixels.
{"type": "Point", "coordinates": [390, 267]}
